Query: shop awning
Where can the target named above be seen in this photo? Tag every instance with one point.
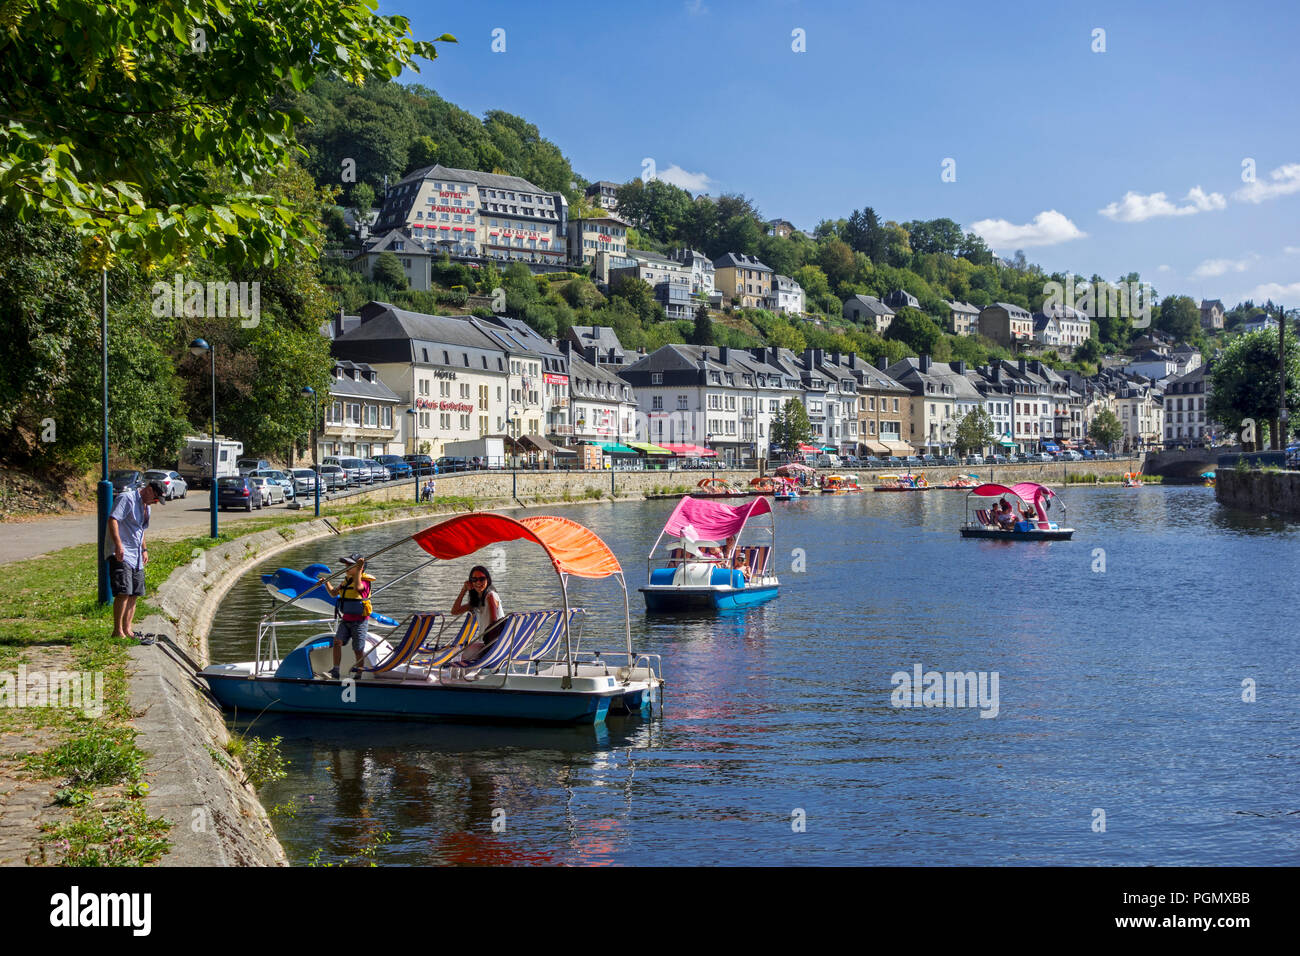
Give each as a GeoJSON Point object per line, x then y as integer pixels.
{"type": "Point", "coordinates": [617, 450]}
{"type": "Point", "coordinates": [899, 447]}
{"type": "Point", "coordinates": [1007, 443]}
{"type": "Point", "coordinates": [1050, 446]}
{"type": "Point", "coordinates": [649, 449]}
{"type": "Point", "coordinates": [878, 447]}
{"type": "Point", "coordinates": [539, 443]}
{"type": "Point", "coordinates": [689, 451]}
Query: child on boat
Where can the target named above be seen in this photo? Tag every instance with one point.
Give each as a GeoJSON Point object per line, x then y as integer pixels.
{"type": "Point", "coordinates": [354, 611]}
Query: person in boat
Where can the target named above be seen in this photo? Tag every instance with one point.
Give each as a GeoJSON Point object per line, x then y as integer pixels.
{"type": "Point", "coordinates": [1005, 516]}
{"type": "Point", "coordinates": [354, 610]}
{"type": "Point", "coordinates": [478, 597]}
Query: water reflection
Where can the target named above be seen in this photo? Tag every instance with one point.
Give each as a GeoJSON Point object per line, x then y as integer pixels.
{"type": "Point", "coordinates": [1119, 688]}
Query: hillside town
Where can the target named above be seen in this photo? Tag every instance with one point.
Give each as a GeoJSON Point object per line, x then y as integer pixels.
{"type": "Point", "coordinates": [473, 376]}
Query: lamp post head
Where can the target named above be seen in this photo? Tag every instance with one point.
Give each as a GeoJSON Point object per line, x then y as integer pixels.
{"type": "Point", "coordinates": [199, 346]}
{"type": "Point", "coordinates": [307, 390]}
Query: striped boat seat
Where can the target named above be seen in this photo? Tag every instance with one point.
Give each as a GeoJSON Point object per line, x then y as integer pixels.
{"type": "Point", "coordinates": [983, 517]}
{"type": "Point", "coordinates": [518, 632]}
{"type": "Point", "coordinates": [438, 655]}
{"type": "Point", "coordinates": [760, 559]}
{"type": "Point", "coordinates": [414, 639]}
{"type": "Point", "coordinates": [551, 632]}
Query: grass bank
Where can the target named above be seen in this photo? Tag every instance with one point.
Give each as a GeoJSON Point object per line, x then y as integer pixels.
{"type": "Point", "coordinates": [88, 763]}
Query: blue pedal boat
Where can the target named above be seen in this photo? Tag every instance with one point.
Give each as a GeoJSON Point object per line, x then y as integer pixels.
{"type": "Point", "coordinates": [531, 668]}
{"type": "Point", "coordinates": [707, 567]}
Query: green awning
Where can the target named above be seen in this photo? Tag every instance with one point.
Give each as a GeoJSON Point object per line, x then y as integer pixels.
{"type": "Point", "coordinates": [650, 449]}
{"type": "Point", "coordinates": [614, 448]}
{"type": "Point", "coordinates": [1007, 444]}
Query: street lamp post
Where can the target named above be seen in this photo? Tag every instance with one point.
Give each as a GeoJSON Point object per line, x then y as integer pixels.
{"type": "Point", "coordinates": [315, 417]}
{"type": "Point", "coordinates": [104, 493]}
{"type": "Point", "coordinates": [415, 469]}
{"type": "Point", "coordinates": [197, 348]}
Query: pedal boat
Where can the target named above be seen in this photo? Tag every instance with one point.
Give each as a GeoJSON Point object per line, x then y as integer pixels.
{"type": "Point", "coordinates": [531, 669]}
{"type": "Point", "coordinates": [691, 579]}
{"type": "Point", "coordinates": [1032, 494]}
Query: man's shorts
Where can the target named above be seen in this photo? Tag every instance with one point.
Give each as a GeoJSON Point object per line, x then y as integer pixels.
{"type": "Point", "coordinates": [125, 581]}
{"type": "Point", "coordinates": [354, 630]}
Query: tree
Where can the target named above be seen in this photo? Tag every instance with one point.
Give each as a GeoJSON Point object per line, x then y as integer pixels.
{"type": "Point", "coordinates": [836, 261]}
{"type": "Point", "coordinates": [974, 431]}
{"type": "Point", "coordinates": [116, 114]}
{"type": "Point", "coordinates": [1105, 429]}
{"type": "Point", "coordinates": [1089, 351]}
{"type": "Point", "coordinates": [791, 427]}
{"type": "Point", "coordinates": [1180, 317]}
{"type": "Point", "coordinates": [1244, 380]}
{"type": "Point", "coordinates": [363, 201]}
{"type": "Point", "coordinates": [864, 234]}
{"type": "Point", "coordinates": [388, 271]}
{"type": "Point", "coordinates": [703, 332]}
{"type": "Point", "coordinates": [916, 330]}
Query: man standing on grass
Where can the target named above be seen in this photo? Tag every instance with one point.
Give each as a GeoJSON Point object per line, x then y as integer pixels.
{"type": "Point", "coordinates": [127, 554]}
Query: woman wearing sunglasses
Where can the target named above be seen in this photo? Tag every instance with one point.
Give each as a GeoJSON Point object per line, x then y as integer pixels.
{"type": "Point", "coordinates": [478, 597]}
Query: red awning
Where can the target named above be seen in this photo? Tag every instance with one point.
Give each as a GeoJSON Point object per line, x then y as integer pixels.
{"type": "Point", "coordinates": [573, 549]}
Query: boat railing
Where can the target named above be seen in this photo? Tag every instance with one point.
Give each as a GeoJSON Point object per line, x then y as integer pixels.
{"type": "Point", "coordinates": [267, 640]}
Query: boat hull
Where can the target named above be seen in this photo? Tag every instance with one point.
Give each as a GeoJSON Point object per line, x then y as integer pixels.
{"type": "Point", "coordinates": [1061, 534]}
{"type": "Point", "coordinates": [668, 599]}
{"type": "Point", "coordinates": [470, 701]}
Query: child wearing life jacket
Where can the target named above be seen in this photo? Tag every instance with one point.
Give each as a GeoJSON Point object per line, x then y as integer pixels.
{"type": "Point", "coordinates": [354, 610]}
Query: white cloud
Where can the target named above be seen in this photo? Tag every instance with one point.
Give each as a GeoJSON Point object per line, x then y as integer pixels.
{"type": "Point", "coordinates": [1135, 207]}
{"type": "Point", "coordinates": [1283, 181]}
{"type": "Point", "coordinates": [692, 182]}
{"type": "Point", "coordinates": [1217, 267]}
{"type": "Point", "coordinates": [1047, 229]}
{"type": "Point", "coordinates": [696, 8]}
{"type": "Point", "coordinates": [1164, 268]}
{"type": "Point", "coordinates": [1276, 291]}
{"type": "Point", "coordinates": [1291, 250]}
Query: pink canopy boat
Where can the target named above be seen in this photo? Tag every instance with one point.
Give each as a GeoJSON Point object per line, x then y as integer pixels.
{"type": "Point", "coordinates": [1035, 526]}
{"type": "Point", "coordinates": [707, 566]}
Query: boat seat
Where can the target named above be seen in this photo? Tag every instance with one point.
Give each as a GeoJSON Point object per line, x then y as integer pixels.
{"type": "Point", "coordinates": [439, 654]}
{"type": "Point", "coordinates": [552, 632]}
{"type": "Point", "coordinates": [984, 518]}
{"type": "Point", "coordinates": [516, 631]}
{"type": "Point", "coordinates": [414, 639]}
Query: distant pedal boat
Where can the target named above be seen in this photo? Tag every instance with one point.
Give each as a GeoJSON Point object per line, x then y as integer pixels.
{"type": "Point", "coordinates": [690, 579]}
{"type": "Point", "coordinates": [1039, 497]}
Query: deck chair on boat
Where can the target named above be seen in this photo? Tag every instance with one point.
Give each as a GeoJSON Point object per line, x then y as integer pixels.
{"type": "Point", "coordinates": [984, 518]}
{"type": "Point", "coordinates": [416, 637]}
{"type": "Point", "coordinates": [758, 560]}
{"type": "Point", "coordinates": [439, 654]}
{"type": "Point", "coordinates": [551, 630]}
{"type": "Point", "coordinates": [515, 632]}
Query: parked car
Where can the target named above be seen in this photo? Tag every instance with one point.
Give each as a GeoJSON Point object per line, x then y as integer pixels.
{"type": "Point", "coordinates": [332, 477]}
{"type": "Point", "coordinates": [394, 465]}
{"type": "Point", "coordinates": [171, 480]}
{"type": "Point", "coordinates": [893, 461]}
{"type": "Point", "coordinates": [999, 460]}
{"type": "Point", "coordinates": [974, 459]}
{"type": "Point", "coordinates": [949, 460]}
{"type": "Point", "coordinates": [1041, 456]}
{"type": "Point", "coordinates": [420, 464]}
{"type": "Point", "coordinates": [912, 460]}
{"type": "Point", "coordinates": [377, 471]}
{"type": "Point", "coordinates": [451, 463]}
{"type": "Point", "coordinates": [238, 492]}
{"type": "Point", "coordinates": [279, 478]}
{"type": "Point", "coordinates": [249, 465]}
{"type": "Point", "coordinates": [272, 493]}
{"type": "Point", "coordinates": [122, 480]}
{"type": "Point", "coordinates": [305, 481]}
{"type": "Point", "coordinates": [358, 472]}
{"type": "Point", "coordinates": [1072, 455]}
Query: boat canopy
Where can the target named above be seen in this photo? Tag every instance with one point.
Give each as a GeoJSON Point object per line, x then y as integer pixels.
{"type": "Point", "coordinates": [712, 520]}
{"type": "Point", "coordinates": [793, 468]}
{"type": "Point", "coordinates": [1026, 491]}
{"type": "Point", "coordinates": [573, 549]}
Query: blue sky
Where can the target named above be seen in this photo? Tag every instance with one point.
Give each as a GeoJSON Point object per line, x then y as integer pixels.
{"type": "Point", "coordinates": [1059, 150]}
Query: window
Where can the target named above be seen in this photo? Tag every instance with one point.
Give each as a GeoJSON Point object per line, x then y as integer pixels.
{"type": "Point", "coordinates": [682, 402]}
{"type": "Point", "coordinates": [657, 403]}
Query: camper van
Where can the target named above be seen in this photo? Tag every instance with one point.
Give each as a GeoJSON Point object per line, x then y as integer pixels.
{"type": "Point", "coordinates": [195, 464]}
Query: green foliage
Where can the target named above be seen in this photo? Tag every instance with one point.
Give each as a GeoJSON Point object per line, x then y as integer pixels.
{"type": "Point", "coordinates": [791, 426]}
{"type": "Point", "coordinates": [388, 271]}
{"type": "Point", "coordinates": [100, 756]}
{"type": "Point", "coordinates": [974, 431]}
{"type": "Point", "coordinates": [262, 760]}
{"type": "Point", "coordinates": [115, 111]}
{"type": "Point", "coordinates": [1106, 429]}
{"type": "Point", "coordinates": [916, 330]}
{"type": "Point", "coordinates": [1179, 316]}
{"type": "Point", "coordinates": [123, 834]}
{"type": "Point", "coordinates": [1244, 382]}
{"type": "Point", "coordinates": [702, 334]}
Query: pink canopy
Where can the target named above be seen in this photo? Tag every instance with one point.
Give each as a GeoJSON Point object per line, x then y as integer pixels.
{"type": "Point", "coordinates": [712, 520]}
{"type": "Point", "coordinates": [1030, 492]}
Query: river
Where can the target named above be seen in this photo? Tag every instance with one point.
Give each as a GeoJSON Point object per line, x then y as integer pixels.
{"type": "Point", "coordinates": [1146, 708]}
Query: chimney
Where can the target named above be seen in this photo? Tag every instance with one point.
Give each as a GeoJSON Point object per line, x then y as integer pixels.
{"type": "Point", "coordinates": [925, 363]}
{"type": "Point", "coordinates": [1037, 366]}
{"type": "Point", "coordinates": [591, 355]}
{"type": "Point", "coordinates": [724, 354]}
{"type": "Point", "coordinates": [961, 367]}
{"type": "Point", "coordinates": [1024, 366]}
{"type": "Point", "coordinates": [882, 363]}
{"type": "Point", "coordinates": [808, 356]}
{"type": "Point", "coordinates": [853, 360]}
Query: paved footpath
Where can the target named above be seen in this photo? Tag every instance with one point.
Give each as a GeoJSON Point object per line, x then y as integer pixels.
{"type": "Point", "coordinates": [180, 518]}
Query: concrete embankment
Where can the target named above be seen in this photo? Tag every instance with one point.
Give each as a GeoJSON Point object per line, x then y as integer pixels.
{"type": "Point", "coordinates": [1259, 492]}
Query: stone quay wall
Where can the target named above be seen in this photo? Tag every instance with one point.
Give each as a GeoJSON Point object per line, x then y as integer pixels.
{"type": "Point", "coordinates": [1261, 492]}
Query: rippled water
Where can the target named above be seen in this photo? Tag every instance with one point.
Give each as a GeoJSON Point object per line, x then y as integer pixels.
{"type": "Point", "coordinates": [1119, 690]}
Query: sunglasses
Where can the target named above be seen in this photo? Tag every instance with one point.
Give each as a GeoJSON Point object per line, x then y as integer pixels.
{"type": "Point", "coordinates": [479, 580]}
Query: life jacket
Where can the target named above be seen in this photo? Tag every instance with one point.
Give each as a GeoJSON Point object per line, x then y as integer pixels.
{"type": "Point", "coordinates": [350, 599]}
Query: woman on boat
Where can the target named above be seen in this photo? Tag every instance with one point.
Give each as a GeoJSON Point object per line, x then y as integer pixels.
{"type": "Point", "coordinates": [478, 597]}
{"type": "Point", "coordinates": [1005, 516]}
